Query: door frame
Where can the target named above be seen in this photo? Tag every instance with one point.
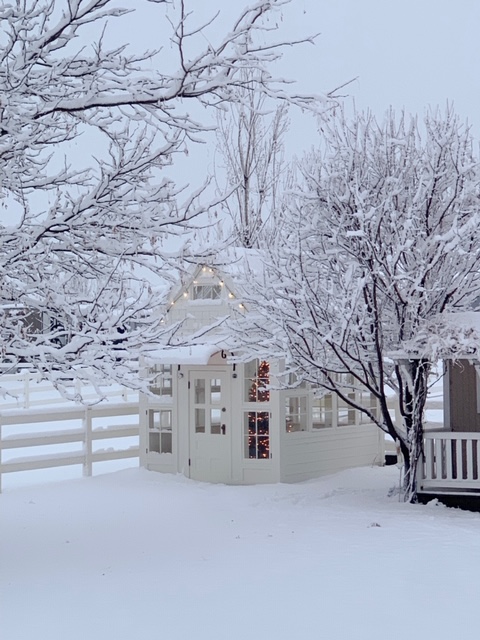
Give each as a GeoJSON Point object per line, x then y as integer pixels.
{"type": "Point", "coordinates": [194, 439]}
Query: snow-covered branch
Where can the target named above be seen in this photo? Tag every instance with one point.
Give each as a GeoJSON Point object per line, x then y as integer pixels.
{"type": "Point", "coordinates": [380, 240]}
{"type": "Point", "coordinates": [87, 131]}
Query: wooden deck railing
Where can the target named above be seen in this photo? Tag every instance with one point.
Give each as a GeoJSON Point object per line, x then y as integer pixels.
{"type": "Point", "coordinates": [450, 462]}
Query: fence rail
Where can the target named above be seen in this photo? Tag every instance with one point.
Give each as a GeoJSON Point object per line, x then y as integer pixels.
{"type": "Point", "coordinates": [21, 436]}
{"type": "Point", "coordinates": [27, 390]}
{"type": "Point", "coordinates": [451, 461]}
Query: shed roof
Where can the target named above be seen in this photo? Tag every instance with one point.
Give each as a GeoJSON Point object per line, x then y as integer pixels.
{"type": "Point", "coordinates": [198, 354]}
{"type": "Point", "coordinates": [446, 336]}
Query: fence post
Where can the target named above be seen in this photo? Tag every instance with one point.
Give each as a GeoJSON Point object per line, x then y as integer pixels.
{"type": "Point", "coordinates": [0, 457]}
{"type": "Point", "coordinates": [87, 427]}
{"type": "Point", "coordinates": [26, 390]}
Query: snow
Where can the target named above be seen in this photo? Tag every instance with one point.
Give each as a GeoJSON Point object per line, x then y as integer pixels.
{"type": "Point", "coordinates": [193, 354]}
{"type": "Point", "coordinates": [464, 319]}
{"type": "Point", "coordinates": [137, 553]}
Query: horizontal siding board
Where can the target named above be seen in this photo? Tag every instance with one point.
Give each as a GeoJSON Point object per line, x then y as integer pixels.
{"type": "Point", "coordinates": [331, 435]}
{"type": "Point", "coordinates": [334, 454]}
{"type": "Point", "coordinates": [309, 455]}
{"type": "Point", "coordinates": [162, 467]}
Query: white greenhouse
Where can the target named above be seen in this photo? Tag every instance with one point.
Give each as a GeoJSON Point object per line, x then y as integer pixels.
{"type": "Point", "coordinates": [216, 418]}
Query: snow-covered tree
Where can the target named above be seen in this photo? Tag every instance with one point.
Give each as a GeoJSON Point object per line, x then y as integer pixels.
{"type": "Point", "coordinates": [86, 132]}
{"type": "Point", "coordinates": [381, 240]}
{"type": "Point", "coordinates": [250, 143]}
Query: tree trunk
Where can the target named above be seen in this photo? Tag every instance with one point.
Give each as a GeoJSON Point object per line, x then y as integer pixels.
{"type": "Point", "coordinates": [416, 397]}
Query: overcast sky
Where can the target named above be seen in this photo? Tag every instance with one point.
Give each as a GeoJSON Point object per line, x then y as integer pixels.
{"type": "Point", "coordinates": [412, 54]}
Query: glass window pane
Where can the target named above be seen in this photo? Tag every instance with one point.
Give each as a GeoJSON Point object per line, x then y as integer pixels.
{"type": "Point", "coordinates": [215, 421]}
{"type": "Point", "coordinates": [161, 380]}
{"type": "Point", "coordinates": [250, 423]}
{"type": "Point", "coordinates": [256, 435]}
{"type": "Point", "coordinates": [249, 449]}
{"type": "Point", "coordinates": [263, 394]}
{"type": "Point", "coordinates": [250, 430]}
{"type": "Point", "coordinates": [294, 382]}
{"type": "Point", "coordinates": [257, 379]}
{"type": "Point", "coordinates": [322, 412]}
{"type": "Point", "coordinates": [199, 420]}
{"type": "Point", "coordinates": [250, 371]}
{"type": "Point", "coordinates": [166, 442]}
{"type": "Point", "coordinates": [165, 419]}
{"type": "Point", "coordinates": [263, 420]}
{"type": "Point", "coordinates": [199, 391]}
{"type": "Point", "coordinates": [295, 413]}
{"type": "Point", "coordinates": [263, 448]}
{"type": "Point", "coordinates": [215, 390]}
{"type": "Point", "coordinates": [345, 379]}
{"type": "Point", "coordinates": [153, 420]}
{"type": "Point", "coordinates": [369, 401]}
{"type": "Point", "coordinates": [160, 426]}
{"type": "Point", "coordinates": [206, 292]}
{"type": "Point", "coordinates": [346, 414]}
{"type": "Point", "coordinates": [154, 442]}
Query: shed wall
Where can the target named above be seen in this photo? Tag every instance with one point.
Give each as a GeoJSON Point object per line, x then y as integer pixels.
{"type": "Point", "coordinates": [308, 455]}
{"type": "Point", "coordinates": [462, 386]}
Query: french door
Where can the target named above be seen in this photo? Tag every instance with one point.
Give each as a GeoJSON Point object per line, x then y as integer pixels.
{"type": "Point", "coordinates": [210, 437]}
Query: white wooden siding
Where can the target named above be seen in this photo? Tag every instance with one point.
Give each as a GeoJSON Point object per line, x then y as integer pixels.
{"type": "Point", "coordinates": [307, 455]}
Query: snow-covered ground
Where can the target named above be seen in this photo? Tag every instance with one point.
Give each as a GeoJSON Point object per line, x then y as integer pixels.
{"type": "Point", "coordinates": [138, 554]}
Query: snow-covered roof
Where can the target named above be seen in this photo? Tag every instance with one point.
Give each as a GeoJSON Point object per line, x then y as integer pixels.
{"type": "Point", "coordinates": [447, 336]}
{"type": "Point", "coordinates": [241, 264]}
{"type": "Point", "coordinates": [238, 265]}
{"type": "Point", "coordinates": [464, 319]}
{"type": "Point", "coordinates": [194, 354]}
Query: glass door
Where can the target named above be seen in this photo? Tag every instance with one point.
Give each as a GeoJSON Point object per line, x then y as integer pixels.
{"type": "Point", "coordinates": [210, 433]}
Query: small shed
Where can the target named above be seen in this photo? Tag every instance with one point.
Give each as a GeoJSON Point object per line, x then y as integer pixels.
{"type": "Point", "coordinates": [450, 464]}
{"type": "Point", "coordinates": [217, 416]}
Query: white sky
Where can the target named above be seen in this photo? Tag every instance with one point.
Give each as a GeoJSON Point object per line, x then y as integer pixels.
{"type": "Point", "coordinates": [413, 54]}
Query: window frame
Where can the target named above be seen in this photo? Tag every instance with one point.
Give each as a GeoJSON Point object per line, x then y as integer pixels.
{"type": "Point", "coordinates": [161, 373]}
{"type": "Point", "coordinates": [212, 287]}
{"type": "Point", "coordinates": [338, 405]}
{"type": "Point", "coordinates": [164, 433]}
{"type": "Point", "coordinates": [259, 405]}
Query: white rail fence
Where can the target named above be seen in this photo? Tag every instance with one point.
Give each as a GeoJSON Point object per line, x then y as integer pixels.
{"type": "Point", "coordinates": [451, 462]}
{"type": "Point", "coordinates": [41, 430]}
{"type": "Point", "coordinates": [27, 390]}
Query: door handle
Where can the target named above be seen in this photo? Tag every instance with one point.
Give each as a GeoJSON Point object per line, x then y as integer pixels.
{"type": "Point", "coordinates": [222, 429]}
